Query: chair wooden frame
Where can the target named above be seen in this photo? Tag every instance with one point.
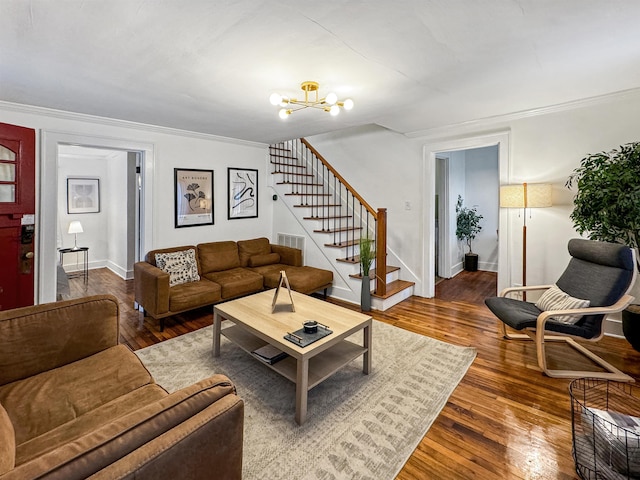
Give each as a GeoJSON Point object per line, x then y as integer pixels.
{"type": "Point", "coordinates": [538, 335]}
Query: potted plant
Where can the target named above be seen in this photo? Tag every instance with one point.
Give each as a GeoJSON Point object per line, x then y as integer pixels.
{"type": "Point", "coordinates": [607, 208]}
{"type": "Point", "coordinates": [467, 227]}
{"type": "Point", "coordinates": [367, 254]}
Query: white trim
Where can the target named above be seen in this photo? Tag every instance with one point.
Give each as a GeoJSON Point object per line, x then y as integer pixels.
{"type": "Point", "coordinates": [48, 193]}
{"type": "Point", "coordinates": [83, 117]}
{"type": "Point", "coordinates": [488, 122]}
{"type": "Point", "coordinates": [502, 139]}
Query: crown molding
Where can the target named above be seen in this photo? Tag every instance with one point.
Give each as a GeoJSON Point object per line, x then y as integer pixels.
{"type": "Point", "coordinates": [83, 117]}
{"type": "Point", "coordinates": [488, 122]}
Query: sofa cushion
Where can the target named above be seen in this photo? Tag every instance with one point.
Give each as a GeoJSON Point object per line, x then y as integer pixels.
{"type": "Point", "coordinates": [7, 443]}
{"type": "Point", "coordinates": [265, 259]}
{"type": "Point", "coordinates": [218, 256]}
{"type": "Point", "coordinates": [150, 257]}
{"type": "Point", "coordinates": [194, 294]}
{"type": "Point", "coordinates": [237, 282]}
{"type": "Point", "coordinates": [249, 248]}
{"type": "Point", "coordinates": [103, 446]}
{"type": "Point", "coordinates": [88, 422]}
{"type": "Point", "coordinates": [301, 279]}
{"type": "Point", "coordinates": [60, 395]}
{"type": "Point", "coordinates": [181, 266]}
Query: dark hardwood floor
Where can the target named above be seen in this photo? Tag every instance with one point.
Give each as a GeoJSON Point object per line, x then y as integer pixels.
{"type": "Point", "coordinates": [504, 420]}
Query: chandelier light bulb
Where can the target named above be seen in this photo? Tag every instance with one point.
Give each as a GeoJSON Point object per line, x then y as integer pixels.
{"type": "Point", "coordinates": [331, 98]}
{"type": "Point", "coordinates": [275, 99]}
{"type": "Point", "coordinates": [348, 104]}
{"type": "Point", "coordinates": [283, 113]}
{"type": "Point", "coordinates": [334, 110]}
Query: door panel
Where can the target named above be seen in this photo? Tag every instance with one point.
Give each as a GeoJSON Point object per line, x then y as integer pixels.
{"type": "Point", "coordinates": [17, 215]}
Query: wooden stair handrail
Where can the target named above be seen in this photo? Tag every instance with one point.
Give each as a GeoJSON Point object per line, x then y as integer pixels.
{"type": "Point", "coordinates": [341, 179]}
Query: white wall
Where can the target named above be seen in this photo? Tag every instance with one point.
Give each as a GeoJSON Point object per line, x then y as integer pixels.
{"type": "Point", "coordinates": [170, 148]}
{"type": "Point", "coordinates": [545, 146]}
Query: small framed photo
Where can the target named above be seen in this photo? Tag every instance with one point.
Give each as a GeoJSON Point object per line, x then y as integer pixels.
{"type": "Point", "coordinates": [193, 197]}
{"type": "Point", "coordinates": [83, 195]}
{"type": "Point", "coordinates": [242, 193]}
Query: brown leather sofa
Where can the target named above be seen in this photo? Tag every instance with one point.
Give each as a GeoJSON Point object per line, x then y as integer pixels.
{"type": "Point", "coordinates": [225, 270]}
{"type": "Point", "coordinates": [75, 404]}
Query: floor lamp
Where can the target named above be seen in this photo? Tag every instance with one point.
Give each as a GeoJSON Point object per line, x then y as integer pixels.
{"type": "Point", "coordinates": [524, 196]}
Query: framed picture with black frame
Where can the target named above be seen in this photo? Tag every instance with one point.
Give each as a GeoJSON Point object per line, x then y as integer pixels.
{"type": "Point", "coordinates": [193, 190]}
{"type": "Point", "coordinates": [83, 195]}
{"type": "Point", "coordinates": [242, 200]}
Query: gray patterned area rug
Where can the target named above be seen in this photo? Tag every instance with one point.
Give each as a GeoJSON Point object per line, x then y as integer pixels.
{"type": "Point", "coordinates": [358, 426]}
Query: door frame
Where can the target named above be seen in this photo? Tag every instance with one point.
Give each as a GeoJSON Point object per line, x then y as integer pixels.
{"type": "Point", "coordinates": [430, 150]}
{"type": "Point", "coordinates": [47, 216]}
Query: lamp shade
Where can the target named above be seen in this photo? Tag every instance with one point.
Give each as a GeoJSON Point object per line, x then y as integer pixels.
{"type": "Point", "coordinates": [534, 195]}
{"type": "Point", "coordinates": [75, 227]}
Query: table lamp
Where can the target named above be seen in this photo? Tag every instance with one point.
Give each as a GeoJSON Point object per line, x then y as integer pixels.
{"type": "Point", "coordinates": [75, 227]}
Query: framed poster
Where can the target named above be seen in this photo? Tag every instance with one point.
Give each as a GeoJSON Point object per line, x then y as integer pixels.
{"type": "Point", "coordinates": [242, 193]}
{"type": "Point", "coordinates": [83, 195]}
{"type": "Point", "coordinates": [193, 197]}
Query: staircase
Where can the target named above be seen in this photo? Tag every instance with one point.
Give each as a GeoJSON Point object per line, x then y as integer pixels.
{"type": "Point", "coordinates": [336, 217]}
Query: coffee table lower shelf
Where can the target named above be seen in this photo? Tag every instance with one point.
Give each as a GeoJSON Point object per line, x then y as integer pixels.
{"type": "Point", "coordinates": [321, 366]}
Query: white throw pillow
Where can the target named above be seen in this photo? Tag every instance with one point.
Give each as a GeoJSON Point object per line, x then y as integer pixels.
{"type": "Point", "coordinates": [181, 266]}
{"type": "Point", "coordinates": [556, 299]}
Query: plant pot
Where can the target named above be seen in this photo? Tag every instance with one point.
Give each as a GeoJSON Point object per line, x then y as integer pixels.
{"type": "Point", "coordinates": [471, 262]}
{"type": "Point", "coordinates": [365, 294]}
{"type": "Point", "coordinates": [631, 325]}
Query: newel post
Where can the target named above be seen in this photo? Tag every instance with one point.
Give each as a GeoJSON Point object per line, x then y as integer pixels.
{"type": "Point", "coordinates": [381, 252]}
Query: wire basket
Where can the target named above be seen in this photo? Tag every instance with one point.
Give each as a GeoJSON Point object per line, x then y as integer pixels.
{"type": "Point", "coordinates": [605, 423]}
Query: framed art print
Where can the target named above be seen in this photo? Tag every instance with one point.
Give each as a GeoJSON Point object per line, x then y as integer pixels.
{"type": "Point", "coordinates": [242, 193]}
{"type": "Point", "coordinates": [83, 195]}
{"type": "Point", "coordinates": [193, 197]}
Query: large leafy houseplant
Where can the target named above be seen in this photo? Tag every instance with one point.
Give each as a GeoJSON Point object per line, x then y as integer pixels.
{"type": "Point", "coordinates": [467, 223]}
{"type": "Point", "coordinates": [607, 208]}
{"type": "Point", "coordinates": [367, 254]}
{"type": "Point", "coordinates": [607, 205]}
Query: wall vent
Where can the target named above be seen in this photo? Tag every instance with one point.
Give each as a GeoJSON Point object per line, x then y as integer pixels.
{"type": "Point", "coordinates": [295, 241]}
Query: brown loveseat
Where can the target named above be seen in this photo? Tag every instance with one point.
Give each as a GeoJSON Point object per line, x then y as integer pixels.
{"type": "Point", "coordinates": [219, 271]}
{"type": "Point", "coordinates": [74, 403]}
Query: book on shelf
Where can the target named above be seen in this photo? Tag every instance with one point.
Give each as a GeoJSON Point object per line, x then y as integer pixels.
{"type": "Point", "coordinates": [269, 354]}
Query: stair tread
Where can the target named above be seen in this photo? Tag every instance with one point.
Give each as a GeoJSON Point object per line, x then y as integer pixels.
{"type": "Point", "coordinates": [334, 217]}
{"type": "Point", "coordinates": [337, 230]}
{"type": "Point", "coordinates": [353, 260]}
{"type": "Point", "coordinates": [296, 174]}
{"type": "Point", "coordinates": [288, 164]}
{"type": "Point", "coordinates": [349, 243]}
{"type": "Point", "coordinates": [328, 205]}
{"type": "Point", "coordinates": [372, 272]}
{"type": "Point", "coordinates": [311, 194]}
{"type": "Point", "coordinates": [394, 287]}
{"type": "Point", "coordinates": [300, 183]}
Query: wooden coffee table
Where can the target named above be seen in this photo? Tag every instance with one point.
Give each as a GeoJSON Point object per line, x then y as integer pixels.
{"type": "Point", "coordinates": [255, 326]}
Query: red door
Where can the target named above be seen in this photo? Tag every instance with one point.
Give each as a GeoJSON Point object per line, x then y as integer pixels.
{"type": "Point", "coordinates": [17, 215]}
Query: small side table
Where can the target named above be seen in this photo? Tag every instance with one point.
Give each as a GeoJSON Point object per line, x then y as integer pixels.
{"type": "Point", "coordinates": [85, 264]}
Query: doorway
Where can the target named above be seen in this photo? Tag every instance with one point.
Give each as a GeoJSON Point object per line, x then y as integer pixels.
{"type": "Point", "coordinates": [108, 230]}
{"type": "Point", "coordinates": [50, 193]}
{"type": "Point", "coordinates": [447, 246]}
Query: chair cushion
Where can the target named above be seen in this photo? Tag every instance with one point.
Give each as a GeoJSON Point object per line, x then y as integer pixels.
{"type": "Point", "coordinates": [193, 294]}
{"type": "Point", "coordinates": [218, 256]}
{"type": "Point", "coordinates": [265, 259]}
{"type": "Point", "coordinates": [236, 282]}
{"type": "Point", "coordinates": [301, 279]}
{"type": "Point", "coordinates": [249, 248]}
{"type": "Point", "coordinates": [556, 299]}
{"type": "Point", "coordinates": [60, 395]}
{"type": "Point", "coordinates": [181, 266]}
{"type": "Point", "coordinates": [7, 443]}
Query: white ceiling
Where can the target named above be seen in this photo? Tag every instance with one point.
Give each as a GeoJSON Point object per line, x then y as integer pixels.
{"type": "Point", "coordinates": [210, 65]}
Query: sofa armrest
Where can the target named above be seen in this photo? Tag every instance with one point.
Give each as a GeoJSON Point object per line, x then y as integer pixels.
{"type": "Point", "coordinates": [207, 445]}
{"type": "Point", "coordinates": [151, 288]}
{"type": "Point", "coordinates": [42, 337]}
{"type": "Point", "coordinates": [288, 255]}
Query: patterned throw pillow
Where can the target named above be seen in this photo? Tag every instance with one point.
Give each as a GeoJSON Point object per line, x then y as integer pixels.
{"type": "Point", "coordinates": [556, 299]}
{"type": "Point", "coordinates": [181, 266]}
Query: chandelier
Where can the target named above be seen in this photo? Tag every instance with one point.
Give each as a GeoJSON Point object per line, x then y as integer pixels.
{"type": "Point", "coordinates": [329, 103]}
